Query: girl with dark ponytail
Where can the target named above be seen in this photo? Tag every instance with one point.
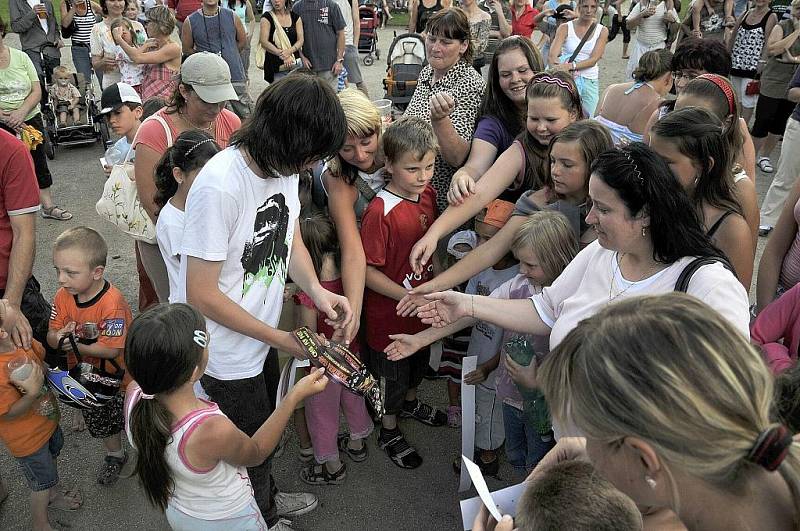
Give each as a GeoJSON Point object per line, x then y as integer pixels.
{"type": "Point", "coordinates": [174, 176]}
{"type": "Point", "coordinates": [192, 458]}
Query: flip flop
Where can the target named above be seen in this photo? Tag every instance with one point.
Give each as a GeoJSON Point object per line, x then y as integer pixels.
{"type": "Point", "coordinates": [765, 165]}
{"type": "Point", "coordinates": [65, 501]}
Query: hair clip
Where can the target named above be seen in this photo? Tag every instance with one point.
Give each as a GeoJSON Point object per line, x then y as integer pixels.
{"type": "Point", "coordinates": [145, 396]}
{"type": "Point", "coordinates": [724, 87]}
{"type": "Point", "coordinates": [206, 141]}
{"type": "Point", "coordinates": [636, 173]}
{"type": "Point", "coordinates": [201, 338]}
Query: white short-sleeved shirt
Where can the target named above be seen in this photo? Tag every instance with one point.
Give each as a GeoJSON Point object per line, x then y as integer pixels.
{"type": "Point", "coordinates": [169, 234]}
{"type": "Point", "coordinates": [236, 217]}
{"type": "Point", "coordinates": [582, 290]}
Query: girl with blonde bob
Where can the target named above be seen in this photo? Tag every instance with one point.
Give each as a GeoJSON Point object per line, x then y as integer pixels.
{"type": "Point", "coordinates": [675, 406]}
{"type": "Point", "coordinates": [348, 183]}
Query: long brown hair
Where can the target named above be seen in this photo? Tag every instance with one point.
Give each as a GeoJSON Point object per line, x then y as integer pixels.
{"type": "Point", "coordinates": [161, 354]}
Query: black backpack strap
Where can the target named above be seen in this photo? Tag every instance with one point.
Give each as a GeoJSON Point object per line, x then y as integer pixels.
{"type": "Point", "coordinates": [682, 284]}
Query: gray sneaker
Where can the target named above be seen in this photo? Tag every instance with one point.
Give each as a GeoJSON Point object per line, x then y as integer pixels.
{"type": "Point", "coordinates": [282, 525]}
{"type": "Point", "coordinates": [295, 503]}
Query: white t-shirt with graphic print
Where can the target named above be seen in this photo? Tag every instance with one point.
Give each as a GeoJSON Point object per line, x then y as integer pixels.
{"type": "Point", "coordinates": [236, 217]}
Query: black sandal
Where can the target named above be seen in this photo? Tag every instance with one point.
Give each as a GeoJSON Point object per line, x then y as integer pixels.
{"type": "Point", "coordinates": [399, 451]}
{"type": "Point", "coordinates": [315, 474]}
{"type": "Point", "coordinates": [343, 441]}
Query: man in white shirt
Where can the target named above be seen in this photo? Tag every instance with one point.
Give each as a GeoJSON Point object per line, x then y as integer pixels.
{"type": "Point", "coordinates": [241, 240]}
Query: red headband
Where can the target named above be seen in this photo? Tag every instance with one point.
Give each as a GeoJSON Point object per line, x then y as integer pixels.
{"type": "Point", "coordinates": [720, 82]}
{"type": "Point", "coordinates": [771, 447]}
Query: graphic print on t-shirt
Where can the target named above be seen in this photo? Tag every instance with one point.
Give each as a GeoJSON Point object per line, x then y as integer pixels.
{"type": "Point", "coordinates": [265, 255]}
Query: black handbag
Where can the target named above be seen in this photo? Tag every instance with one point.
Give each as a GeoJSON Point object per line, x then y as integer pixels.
{"type": "Point", "coordinates": [99, 381]}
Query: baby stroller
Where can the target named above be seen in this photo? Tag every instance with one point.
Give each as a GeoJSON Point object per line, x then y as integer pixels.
{"type": "Point", "coordinates": [368, 39]}
{"type": "Point", "coordinates": [88, 130]}
{"type": "Point", "coordinates": [405, 60]}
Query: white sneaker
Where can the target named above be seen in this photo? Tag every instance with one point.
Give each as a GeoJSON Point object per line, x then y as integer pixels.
{"type": "Point", "coordinates": [282, 525]}
{"type": "Point", "coordinates": [295, 503]}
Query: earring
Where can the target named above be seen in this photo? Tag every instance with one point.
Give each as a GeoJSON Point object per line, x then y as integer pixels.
{"type": "Point", "coordinates": [650, 482]}
{"type": "Point", "coordinates": [644, 232]}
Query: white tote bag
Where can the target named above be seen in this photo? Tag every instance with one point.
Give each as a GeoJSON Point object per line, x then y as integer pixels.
{"type": "Point", "coordinates": [120, 203]}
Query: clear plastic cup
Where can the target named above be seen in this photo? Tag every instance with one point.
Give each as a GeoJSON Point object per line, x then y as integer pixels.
{"type": "Point", "coordinates": [20, 368]}
{"type": "Point", "coordinates": [385, 109]}
{"type": "Point", "coordinates": [41, 11]}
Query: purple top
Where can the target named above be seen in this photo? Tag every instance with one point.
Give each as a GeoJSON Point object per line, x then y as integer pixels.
{"type": "Point", "coordinates": [492, 130]}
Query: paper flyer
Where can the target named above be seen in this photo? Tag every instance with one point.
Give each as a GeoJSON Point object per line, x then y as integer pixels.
{"type": "Point", "coordinates": [504, 500]}
{"type": "Point", "coordinates": [468, 364]}
{"type": "Point", "coordinates": [288, 377]}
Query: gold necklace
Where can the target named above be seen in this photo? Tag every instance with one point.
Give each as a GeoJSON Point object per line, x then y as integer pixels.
{"type": "Point", "coordinates": [611, 295]}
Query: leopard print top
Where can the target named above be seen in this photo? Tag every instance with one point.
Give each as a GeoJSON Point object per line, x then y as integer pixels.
{"type": "Point", "coordinates": [466, 86]}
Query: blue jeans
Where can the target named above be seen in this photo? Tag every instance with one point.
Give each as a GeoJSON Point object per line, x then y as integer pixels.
{"type": "Point", "coordinates": [82, 62]}
{"type": "Point", "coordinates": [525, 447]}
{"type": "Point", "coordinates": [40, 467]}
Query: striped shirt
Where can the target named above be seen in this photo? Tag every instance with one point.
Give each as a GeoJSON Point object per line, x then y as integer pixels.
{"type": "Point", "coordinates": [83, 24]}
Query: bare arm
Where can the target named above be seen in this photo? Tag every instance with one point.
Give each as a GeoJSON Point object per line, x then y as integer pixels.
{"type": "Point", "coordinates": [499, 177]}
{"type": "Point", "coordinates": [502, 23]}
{"type": "Point", "coordinates": [241, 34]}
{"type": "Point", "coordinates": [747, 157]}
{"type": "Point", "coordinates": [144, 167]}
{"type": "Point", "coordinates": [202, 291]}
{"type": "Point", "coordinates": [67, 15]}
{"type": "Point", "coordinates": [557, 44]}
{"type": "Point", "coordinates": [164, 54]}
{"type": "Point", "coordinates": [20, 261]}
{"type": "Point", "coordinates": [97, 350]}
{"type": "Point", "coordinates": [356, 22]}
{"type": "Point", "coordinates": [300, 37]}
{"type": "Point", "coordinates": [777, 43]}
{"type": "Point", "coordinates": [341, 198]}
{"type": "Point", "coordinates": [483, 256]}
{"type": "Point", "coordinates": [412, 15]}
{"type": "Point", "coordinates": [453, 148]}
{"type": "Point", "coordinates": [218, 439]}
{"type": "Point", "coordinates": [187, 40]}
{"type": "Point", "coordinates": [736, 241]}
{"type": "Point", "coordinates": [380, 283]}
{"type": "Point", "coordinates": [518, 315]}
{"type": "Point", "coordinates": [778, 244]}
{"type": "Point", "coordinates": [597, 51]}
{"type": "Point", "coordinates": [747, 197]}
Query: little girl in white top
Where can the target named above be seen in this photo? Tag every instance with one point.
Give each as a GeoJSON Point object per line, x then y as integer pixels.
{"type": "Point", "coordinates": [130, 72]}
{"type": "Point", "coordinates": [192, 458]}
{"type": "Point", "coordinates": [174, 176]}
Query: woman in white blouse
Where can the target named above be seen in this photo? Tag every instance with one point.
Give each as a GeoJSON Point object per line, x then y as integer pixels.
{"type": "Point", "coordinates": [647, 233]}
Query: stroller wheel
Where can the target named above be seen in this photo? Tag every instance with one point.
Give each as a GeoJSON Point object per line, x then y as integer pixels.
{"type": "Point", "coordinates": [368, 60]}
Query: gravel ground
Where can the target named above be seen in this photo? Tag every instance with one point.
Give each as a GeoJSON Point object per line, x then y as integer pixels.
{"type": "Point", "coordinates": [376, 494]}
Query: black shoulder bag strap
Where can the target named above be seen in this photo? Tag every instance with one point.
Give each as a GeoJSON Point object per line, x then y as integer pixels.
{"type": "Point", "coordinates": [682, 284]}
{"type": "Point", "coordinates": [585, 38]}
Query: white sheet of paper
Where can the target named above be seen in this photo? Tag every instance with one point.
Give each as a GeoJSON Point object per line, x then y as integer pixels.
{"type": "Point", "coordinates": [287, 379]}
{"type": "Point", "coordinates": [480, 486]}
{"type": "Point", "coordinates": [436, 356]}
{"type": "Point", "coordinates": [468, 364]}
{"type": "Point", "coordinates": [506, 499]}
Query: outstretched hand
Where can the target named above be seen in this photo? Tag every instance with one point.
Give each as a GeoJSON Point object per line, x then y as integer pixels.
{"type": "Point", "coordinates": [402, 346]}
{"type": "Point", "coordinates": [336, 308]}
{"type": "Point", "coordinates": [421, 253]}
{"type": "Point", "coordinates": [445, 307]}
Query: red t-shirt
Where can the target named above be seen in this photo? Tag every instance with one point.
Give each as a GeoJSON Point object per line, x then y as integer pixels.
{"type": "Point", "coordinates": [108, 310]}
{"type": "Point", "coordinates": [523, 24]}
{"type": "Point", "coordinates": [184, 8]}
{"type": "Point", "coordinates": [390, 227]}
{"type": "Point", "coordinates": [19, 193]}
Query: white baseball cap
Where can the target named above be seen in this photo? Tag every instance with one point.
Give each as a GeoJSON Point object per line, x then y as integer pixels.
{"type": "Point", "coordinates": [209, 76]}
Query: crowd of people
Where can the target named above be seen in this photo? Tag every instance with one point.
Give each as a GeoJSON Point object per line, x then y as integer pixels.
{"type": "Point", "coordinates": [594, 249]}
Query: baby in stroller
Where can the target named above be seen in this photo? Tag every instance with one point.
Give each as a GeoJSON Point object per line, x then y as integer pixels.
{"type": "Point", "coordinates": [66, 96]}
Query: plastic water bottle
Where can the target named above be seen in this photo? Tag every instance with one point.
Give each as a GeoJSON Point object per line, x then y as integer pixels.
{"type": "Point", "coordinates": [114, 156]}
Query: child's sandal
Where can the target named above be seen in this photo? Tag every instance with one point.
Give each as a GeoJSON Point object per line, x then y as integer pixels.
{"type": "Point", "coordinates": [315, 474]}
{"type": "Point", "coordinates": [343, 440]}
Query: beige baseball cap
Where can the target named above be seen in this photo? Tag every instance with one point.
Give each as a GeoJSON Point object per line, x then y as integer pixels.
{"type": "Point", "coordinates": [209, 76]}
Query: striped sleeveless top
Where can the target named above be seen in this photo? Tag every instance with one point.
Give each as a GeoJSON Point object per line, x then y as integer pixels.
{"type": "Point", "coordinates": [83, 24]}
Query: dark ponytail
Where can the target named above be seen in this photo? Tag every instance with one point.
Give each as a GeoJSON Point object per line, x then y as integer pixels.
{"type": "Point", "coordinates": [161, 354]}
{"type": "Point", "coordinates": [191, 150]}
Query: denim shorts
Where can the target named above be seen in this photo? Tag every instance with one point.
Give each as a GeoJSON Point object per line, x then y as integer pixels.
{"type": "Point", "coordinates": [40, 467]}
